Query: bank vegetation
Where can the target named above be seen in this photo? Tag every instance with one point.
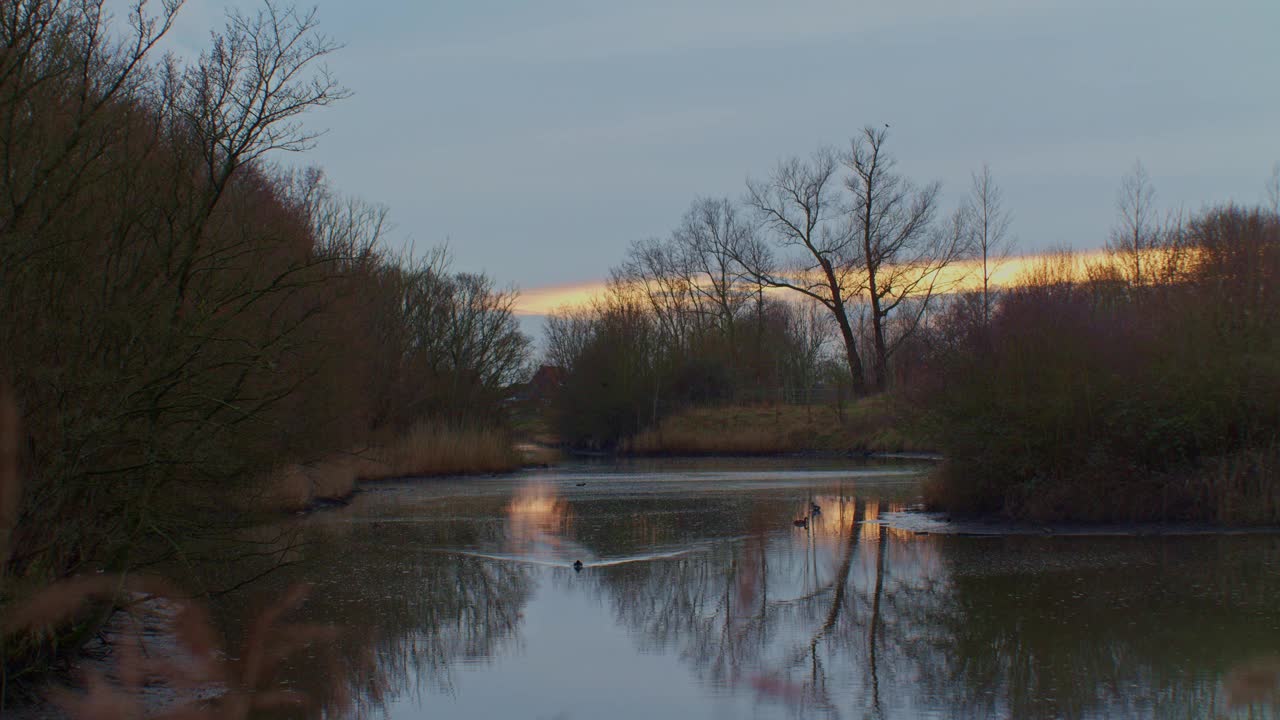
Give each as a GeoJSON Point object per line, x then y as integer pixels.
{"type": "Point", "coordinates": [194, 335]}
{"type": "Point", "coordinates": [1142, 386]}
{"type": "Point", "coordinates": [836, 306]}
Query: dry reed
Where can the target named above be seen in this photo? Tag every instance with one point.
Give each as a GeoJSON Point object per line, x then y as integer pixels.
{"type": "Point", "coordinates": [674, 440]}
{"type": "Point", "coordinates": [186, 658]}
{"type": "Point", "coordinates": [443, 449]}
{"type": "Point", "coordinates": [871, 424]}
{"type": "Point", "coordinates": [429, 449]}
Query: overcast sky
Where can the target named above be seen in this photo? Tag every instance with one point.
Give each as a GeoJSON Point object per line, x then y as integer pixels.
{"type": "Point", "coordinates": [540, 138]}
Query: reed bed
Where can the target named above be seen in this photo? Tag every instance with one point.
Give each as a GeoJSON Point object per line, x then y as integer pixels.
{"type": "Point", "coordinates": [429, 449]}
{"type": "Point", "coordinates": [443, 449]}
{"type": "Point", "coordinates": [870, 425]}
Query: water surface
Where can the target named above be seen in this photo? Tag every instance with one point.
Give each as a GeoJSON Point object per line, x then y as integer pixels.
{"type": "Point", "coordinates": [699, 597]}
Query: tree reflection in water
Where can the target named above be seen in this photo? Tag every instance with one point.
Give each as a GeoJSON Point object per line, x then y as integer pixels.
{"type": "Point", "coordinates": [409, 612]}
{"type": "Point", "coordinates": [782, 612]}
{"type": "Point", "coordinates": [1104, 627]}
{"type": "Point", "coordinates": [848, 617]}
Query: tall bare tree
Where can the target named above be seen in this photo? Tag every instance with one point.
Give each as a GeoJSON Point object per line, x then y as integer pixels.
{"type": "Point", "coordinates": [988, 230]}
{"type": "Point", "coordinates": [800, 211]}
{"type": "Point", "coordinates": [895, 246]}
{"type": "Point", "coordinates": [1273, 189]}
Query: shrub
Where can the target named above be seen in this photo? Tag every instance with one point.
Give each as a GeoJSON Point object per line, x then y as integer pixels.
{"type": "Point", "coordinates": [1093, 399]}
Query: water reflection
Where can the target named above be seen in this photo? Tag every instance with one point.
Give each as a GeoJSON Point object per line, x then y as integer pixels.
{"type": "Point", "coordinates": [799, 619]}
{"type": "Point", "coordinates": [458, 591]}
{"type": "Point", "coordinates": [537, 522]}
{"type": "Point", "coordinates": [410, 614]}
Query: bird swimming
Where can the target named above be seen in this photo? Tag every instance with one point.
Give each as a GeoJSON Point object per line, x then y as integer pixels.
{"type": "Point", "coordinates": [801, 522]}
{"type": "Point", "coordinates": [577, 566]}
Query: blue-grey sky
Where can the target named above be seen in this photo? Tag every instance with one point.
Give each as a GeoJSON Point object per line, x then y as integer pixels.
{"type": "Point", "coordinates": [540, 138]}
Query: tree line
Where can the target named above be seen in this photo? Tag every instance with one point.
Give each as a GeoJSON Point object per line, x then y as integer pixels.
{"type": "Point", "coordinates": [1141, 383]}
{"type": "Point", "coordinates": [179, 315]}
{"type": "Point", "coordinates": [821, 274]}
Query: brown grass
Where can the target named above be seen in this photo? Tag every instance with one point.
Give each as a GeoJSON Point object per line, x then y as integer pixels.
{"type": "Point", "coordinates": [298, 486]}
{"type": "Point", "coordinates": [674, 438]}
{"type": "Point", "coordinates": [429, 449]}
{"type": "Point", "coordinates": [871, 424]}
{"type": "Point", "coordinates": [440, 449]}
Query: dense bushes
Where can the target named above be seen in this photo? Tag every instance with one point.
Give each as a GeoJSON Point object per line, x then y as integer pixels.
{"type": "Point", "coordinates": [626, 369]}
{"type": "Point", "coordinates": [177, 316]}
{"type": "Point", "coordinates": [1095, 395]}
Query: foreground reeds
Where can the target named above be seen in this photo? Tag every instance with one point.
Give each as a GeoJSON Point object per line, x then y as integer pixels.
{"type": "Point", "coordinates": [169, 641]}
{"type": "Point", "coordinates": [186, 656]}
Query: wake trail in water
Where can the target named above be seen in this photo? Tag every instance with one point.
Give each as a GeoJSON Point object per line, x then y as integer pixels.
{"type": "Point", "coordinates": [588, 563]}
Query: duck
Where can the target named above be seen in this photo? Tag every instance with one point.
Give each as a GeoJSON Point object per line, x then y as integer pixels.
{"type": "Point", "coordinates": [801, 522]}
{"type": "Point", "coordinates": [814, 509]}
{"type": "Point", "coordinates": [577, 566]}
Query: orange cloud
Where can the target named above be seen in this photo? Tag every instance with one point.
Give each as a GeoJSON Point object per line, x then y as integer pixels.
{"type": "Point", "coordinates": [959, 277]}
{"type": "Point", "coordinates": [546, 300]}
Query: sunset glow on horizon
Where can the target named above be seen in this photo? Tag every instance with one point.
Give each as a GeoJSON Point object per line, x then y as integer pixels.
{"type": "Point", "coordinates": [959, 277]}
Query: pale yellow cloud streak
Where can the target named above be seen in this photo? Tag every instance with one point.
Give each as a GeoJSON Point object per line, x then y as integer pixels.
{"type": "Point", "coordinates": [959, 277]}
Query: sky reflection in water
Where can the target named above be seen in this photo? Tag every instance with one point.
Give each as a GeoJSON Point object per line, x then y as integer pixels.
{"type": "Point", "coordinates": [699, 597]}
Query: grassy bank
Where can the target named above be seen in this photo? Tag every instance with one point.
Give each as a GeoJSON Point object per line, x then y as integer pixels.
{"type": "Point", "coordinates": [429, 449]}
{"type": "Point", "coordinates": [869, 425]}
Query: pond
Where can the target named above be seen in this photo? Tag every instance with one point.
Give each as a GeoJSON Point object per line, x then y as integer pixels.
{"type": "Point", "coordinates": [701, 596]}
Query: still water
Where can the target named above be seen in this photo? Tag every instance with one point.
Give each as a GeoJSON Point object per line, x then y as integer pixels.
{"type": "Point", "coordinates": [700, 597]}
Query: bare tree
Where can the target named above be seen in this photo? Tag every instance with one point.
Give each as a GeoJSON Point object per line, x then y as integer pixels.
{"type": "Point", "coordinates": [1273, 189]}
{"type": "Point", "coordinates": [710, 235]}
{"type": "Point", "coordinates": [809, 334]}
{"type": "Point", "coordinates": [895, 245]}
{"type": "Point", "coordinates": [63, 55]}
{"type": "Point", "coordinates": [799, 209]}
{"type": "Point", "coordinates": [988, 230]}
{"type": "Point", "coordinates": [1136, 232]}
{"type": "Point", "coordinates": [243, 98]}
{"type": "Point", "coordinates": [568, 331]}
{"type": "Point", "coordinates": [179, 305]}
{"type": "Point", "coordinates": [484, 337]}
{"type": "Point", "coordinates": [347, 230]}
{"type": "Point", "coordinates": [658, 270]}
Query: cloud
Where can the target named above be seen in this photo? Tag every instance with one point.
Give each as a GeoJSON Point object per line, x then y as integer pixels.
{"type": "Point", "coordinates": [1184, 152]}
{"type": "Point", "coordinates": [965, 276]}
{"type": "Point", "coordinates": [648, 127]}
{"type": "Point", "coordinates": [664, 26]}
{"type": "Point", "coordinates": [548, 299]}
